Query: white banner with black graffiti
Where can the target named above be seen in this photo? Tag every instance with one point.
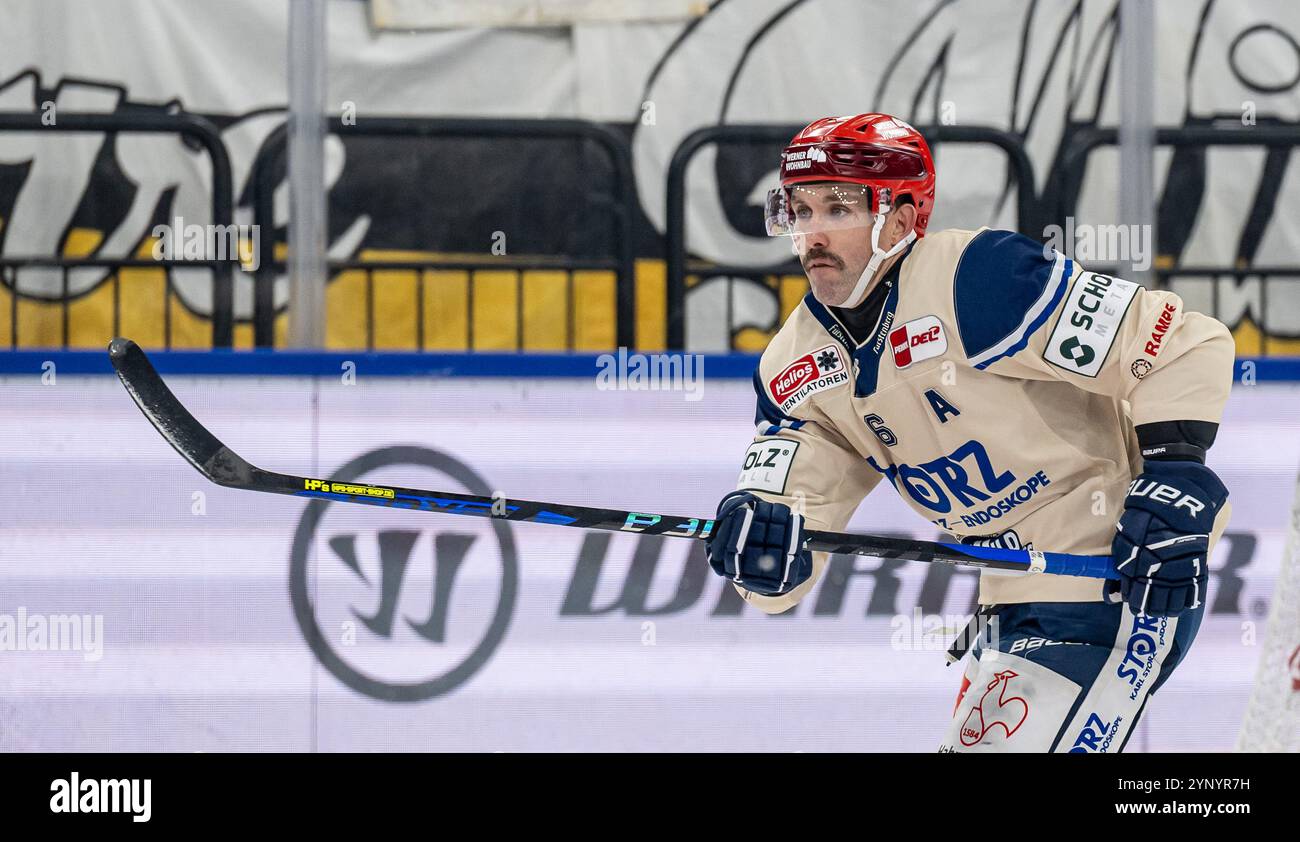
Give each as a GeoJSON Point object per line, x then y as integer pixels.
{"type": "Point", "coordinates": [144, 609]}
{"type": "Point", "coordinates": [410, 15]}
{"type": "Point", "coordinates": [1042, 71]}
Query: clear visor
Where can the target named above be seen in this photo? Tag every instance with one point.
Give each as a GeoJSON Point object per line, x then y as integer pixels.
{"type": "Point", "coordinates": [817, 207]}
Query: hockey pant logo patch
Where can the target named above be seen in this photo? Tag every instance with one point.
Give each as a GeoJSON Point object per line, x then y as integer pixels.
{"type": "Point", "coordinates": [996, 708]}
{"type": "Point", "coordinates": [1012, 704]}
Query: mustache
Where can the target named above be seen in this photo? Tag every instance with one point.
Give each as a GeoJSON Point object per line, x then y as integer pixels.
{"type": "Point", "coordinates": [816, 254]}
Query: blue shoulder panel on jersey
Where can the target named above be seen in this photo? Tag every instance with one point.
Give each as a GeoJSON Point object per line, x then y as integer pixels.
{"type": "Point", "coordinates": [1005, 288]}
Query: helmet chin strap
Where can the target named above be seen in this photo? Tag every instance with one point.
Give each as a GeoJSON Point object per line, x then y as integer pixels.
{"type": "Point", "coordinates": [878, 256]}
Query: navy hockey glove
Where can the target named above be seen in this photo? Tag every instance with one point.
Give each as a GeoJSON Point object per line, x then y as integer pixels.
{"type": "Point", "coordinates": [758, 545]}
{"type": "Point", "coordinates": [1163, 537]}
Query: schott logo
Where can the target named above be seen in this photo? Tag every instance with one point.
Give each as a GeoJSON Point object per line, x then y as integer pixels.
{"type": "Point", "coordinates": [402, 607]}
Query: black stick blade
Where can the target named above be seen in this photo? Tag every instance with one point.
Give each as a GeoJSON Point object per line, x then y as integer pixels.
{"type": "Point", "coordinates": [171, 419]}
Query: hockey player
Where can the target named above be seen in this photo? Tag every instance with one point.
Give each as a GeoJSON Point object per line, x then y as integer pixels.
{"type": "Point", "coordinates": [1011, 397]}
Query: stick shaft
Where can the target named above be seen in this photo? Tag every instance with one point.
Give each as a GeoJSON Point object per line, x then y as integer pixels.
{"type": "Point", "coordinates": [224, 467]}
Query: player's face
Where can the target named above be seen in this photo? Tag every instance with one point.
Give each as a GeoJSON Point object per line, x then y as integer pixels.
{"type": "Point", "coordinates": [834, 245]}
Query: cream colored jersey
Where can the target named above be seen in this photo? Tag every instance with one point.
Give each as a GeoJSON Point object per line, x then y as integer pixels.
{"type": "Point", "coordinates": [997, 394]}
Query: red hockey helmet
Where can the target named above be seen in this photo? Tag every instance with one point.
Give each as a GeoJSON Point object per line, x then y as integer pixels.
{"type": "Point", "coordinates": [881, 152]}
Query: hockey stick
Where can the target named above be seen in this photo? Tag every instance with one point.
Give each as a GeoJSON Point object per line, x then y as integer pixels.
{"type": "Point", "coordinates": [223, 466]}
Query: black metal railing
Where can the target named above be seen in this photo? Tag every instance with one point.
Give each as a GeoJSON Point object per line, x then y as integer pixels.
{"type": "Point", "coordinates": [1018, 164]}
{"type": "Point", "coordinates": [1057, 203]}
{"type": "Point", "coordinates": [270, 162]}
{"type": "Point", "coordinates": [192, 126]}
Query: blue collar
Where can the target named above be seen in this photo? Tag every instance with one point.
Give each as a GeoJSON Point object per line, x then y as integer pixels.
{"type": "Point", "coordinates": [866, 355]}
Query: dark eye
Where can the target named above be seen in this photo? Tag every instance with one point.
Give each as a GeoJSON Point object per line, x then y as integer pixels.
{"type": "Point", "coordinates": [802, 212]}
{"type": "Point", "coordinates": [839, 210]}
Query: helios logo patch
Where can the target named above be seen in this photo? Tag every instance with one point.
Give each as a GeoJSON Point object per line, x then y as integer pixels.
{"type": "Point", "coordinates": [919, 339]}
{"type": "Point", "coordinates": [1087, 326]}
{"type": "Point", "coordinates": [810, 373]}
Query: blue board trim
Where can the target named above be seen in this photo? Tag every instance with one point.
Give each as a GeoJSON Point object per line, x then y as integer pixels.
{"type": "Point", "coordinates": [331, 364]}
{"type": "Point", "coordinates": [401, 364]}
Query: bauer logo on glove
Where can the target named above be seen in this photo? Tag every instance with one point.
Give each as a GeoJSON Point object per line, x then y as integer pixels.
{"type": "Point", "coordinates": [1162, 540]}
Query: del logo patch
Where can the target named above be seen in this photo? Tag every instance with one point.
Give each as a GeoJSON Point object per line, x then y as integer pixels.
{"type": "Point", "coordinates": [810, 373]}
{"type": "Point", "coordinates": [919, 339]}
